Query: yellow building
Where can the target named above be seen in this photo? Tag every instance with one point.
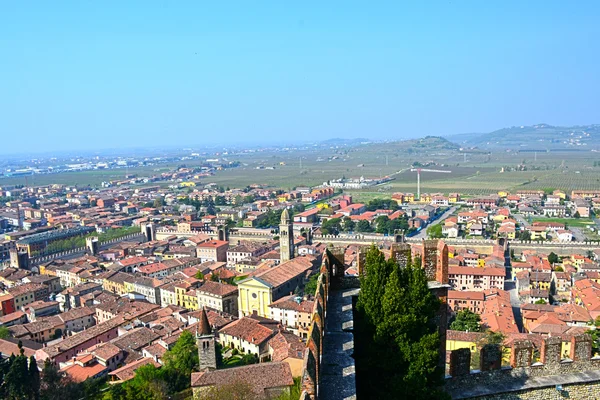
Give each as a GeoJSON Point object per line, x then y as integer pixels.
{"type": "Point", "coordinates": [560, 194]}
{"type": "Point", "coordinates": [187, 184]}
{"type": "Point", "coordinates": [503, 193]}
{"type": "Point", "coordinates": [257, 292]}
{"type": "Point", "coordinates": [499, 217]}
{"type": "Point", "coordinates": [116, 283]}
{"type": "Point", "coordinates": [409, 198]}
{"type": "Point", "coordinates": [537, 233]}
{"type": "Point", "coordinates": [186, 297]}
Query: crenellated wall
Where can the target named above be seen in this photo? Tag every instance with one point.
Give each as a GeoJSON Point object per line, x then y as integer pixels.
{"type": "Point", "coordinates": [551, 377]}
{"type": "Point", "coordinates": [332, 270]}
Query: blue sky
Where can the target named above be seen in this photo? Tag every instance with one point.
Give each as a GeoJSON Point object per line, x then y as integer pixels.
{"type": "Point", "coordinates": [104, 74]}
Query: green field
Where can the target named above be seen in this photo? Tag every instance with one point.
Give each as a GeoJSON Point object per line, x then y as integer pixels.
{"type": "Point", "coordinates": [481, 173]}
{"type": "Point", "coordinates": [572, 222]}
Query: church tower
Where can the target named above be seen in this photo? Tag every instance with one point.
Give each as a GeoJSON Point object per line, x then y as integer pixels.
{"type": "Point", "coordinates": [286, 237]}
{"type": "Point", "coordinates": [205, 340]}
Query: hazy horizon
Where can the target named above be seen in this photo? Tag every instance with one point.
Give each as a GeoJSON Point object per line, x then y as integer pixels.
{"type": "Point", "coordinates": [84, 77]}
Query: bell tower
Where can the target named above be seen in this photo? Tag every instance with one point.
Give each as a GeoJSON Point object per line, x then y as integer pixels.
{"type": "Point", "coordinates": [205, 340]}
{"type": "Point", "coordinates": [286, 237]}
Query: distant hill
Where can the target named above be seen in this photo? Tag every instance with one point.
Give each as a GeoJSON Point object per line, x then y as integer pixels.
{"type": "Point", "coordinates": [535, 137]}
{"type": "Point", "coordinates": [344, 142]}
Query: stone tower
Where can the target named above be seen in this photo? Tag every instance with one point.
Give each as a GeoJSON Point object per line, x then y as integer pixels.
{"type": "Point", "coordinates": [286, 237]}
{"type": "Point", "coordinates": [205, 340]}
{"type": "Point", "coordinates": [92, 245]}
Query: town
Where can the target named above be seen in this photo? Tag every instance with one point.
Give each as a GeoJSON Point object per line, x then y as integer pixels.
{"type": "Point", "coordinates": [101, 283]}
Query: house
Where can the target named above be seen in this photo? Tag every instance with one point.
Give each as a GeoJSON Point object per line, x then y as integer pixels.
{"type": "Point", "coordinates": [476, 278]}
{"type": "Point", "coordinates": [41, 308]}
{"type": "Point", "coordinates": [27, 293]}
{"type": "Point", "coordinates": [537, 232]}
{"type": "Point", "coordinates": [295, 313]}
{"type": "Point", "coordinates": [84, 367]}
{"type": "Point", "coordinates": [249, 335]}
{"type": "Point", "coordinates": [288, 348]}
{"type": "Point", "coordinates": [554, 211]}
{"type": "Point", "coordinates": [270, 284]}
{"type": "Point", "coordinates": [564, 236]}
{"type": "Point", "coordinates": [72, 345]}
{"type": "Point", "coordinates": [450, 229]}
{"type": "Point", "coordinates": [127, 371]}
{"type": "Point", "coordinates": [146, 286]}
{"type": "Point", "coordinates": [214, 250]}
{"type": "Point", "coordinates": [465, 300]}
{"type": "Point", "coordinates": [218, 296]}
{"type": "Point", "coordinates": [266, 380]}
{"type": "Point", "coordinates": [125, 308]}
{"type": "Point", "coordinates": [476, 230]}
{"type": "Point", "coordinates": [507, 231]}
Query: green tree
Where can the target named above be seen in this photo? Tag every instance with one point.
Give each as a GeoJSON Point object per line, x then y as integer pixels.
{"type": "Point", "coordinates": [4, 332]}
{"type": "Point", "coordinates": [577, 215]}
{"type": "Point", "coordinates": [331, 226]}
{"type": "Point", "coordinates": [466, 321]}
{"type": "Point", "coordinates": [347, 224]}
{"type": "Point", "coordinates": [34, 378]}
{"type": "Point", "coordinates": [525, 235]}
{"type": "Point", "coordinates": [17, 378]}
{"type": "Point", "coordinates": [382, 204]}
{"type": "Point", "coordinates": [52, 385]}
{"type": "Point", "coordinates": [199, 275]}
{"type": "Point", "coordinates": [311, 286]}
{"type": "Point", "coordinates": [372, 284]}
{"type": "Point", "coordinates": [398, 350]}
{"type": "Point", "coordinates": [182, 358]}
{"type": "Point", "coordinates": [435, 231]}
{"type": "Point", "coordinates": [364, 226]}
{"type": "Point", "coordinates": [553, 258]}
{"type": "Point", "coordinates": [158, 202]}
{"type": "Point", "coordinates": [382, 224]}
{"type": "Point", "coordinates": [541, 301]}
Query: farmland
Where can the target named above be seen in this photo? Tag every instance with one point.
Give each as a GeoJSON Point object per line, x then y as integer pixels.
{"type": "Point", "coordinates": [476, 173]}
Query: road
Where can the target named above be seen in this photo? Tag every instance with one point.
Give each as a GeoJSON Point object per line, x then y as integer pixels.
{"type": "Point", "coordinates": [423, 233]}
{"type": "Point", "coordinates": [578, 234]}
{"type": "Point", "coordinates": [511, 288]}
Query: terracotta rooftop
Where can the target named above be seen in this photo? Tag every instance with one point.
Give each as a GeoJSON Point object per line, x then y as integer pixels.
{"type": "Point", "coordinates": [128, 371]}
{"type": "Point", "coordinates": [286, 345]}
{"type": "Point", "coordinates": [282, 273]}
{"type": "Point", "coordinates": [82, 337]}
{"type": "Point", "coordinates": [79, 373]}
{"type": "Point", "coordinates": [248, 329]}
{"type": "Point", "coordinates": [217, 289]}
{"type": "Point", "coordinates": [261, 377]}
{"type": "Point", "coordinates": [290, 303]}
{"type": "Point", "coordinates": [136, 339]}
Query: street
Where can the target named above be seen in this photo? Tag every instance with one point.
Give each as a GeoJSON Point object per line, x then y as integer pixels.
{"type": "Point", "coordinates": [510, 287]}
{"type": "Point", "coordinates": [423, 233]}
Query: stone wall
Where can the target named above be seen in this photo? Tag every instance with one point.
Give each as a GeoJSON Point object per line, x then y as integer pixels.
{"type": "Point", "coordinates": [314, 343]}
{"type": "Point", "coordinates": [578, 391]}
{"type": "Point", "coordinates": [578, 374]}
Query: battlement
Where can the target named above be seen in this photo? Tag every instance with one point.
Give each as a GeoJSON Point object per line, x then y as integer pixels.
{"type": "Point", "coordinates": [492, 380]}
{"type": "Point", "coordinates": [330, 336]}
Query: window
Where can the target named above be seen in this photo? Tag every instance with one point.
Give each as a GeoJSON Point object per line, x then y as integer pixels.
{"type": "Point", "coordinates": [254, 296]}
